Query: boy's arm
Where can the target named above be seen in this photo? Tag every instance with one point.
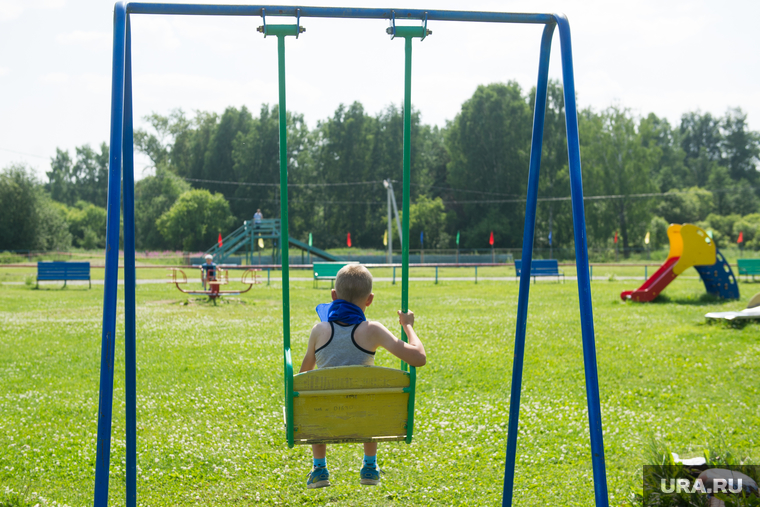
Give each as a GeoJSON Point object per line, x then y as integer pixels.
{"type": "Point", "coordinates": [310, 359]}
{"type": "Point", "coordinates": [413, 353]}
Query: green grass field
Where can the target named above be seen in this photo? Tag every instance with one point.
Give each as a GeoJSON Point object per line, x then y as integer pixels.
{"type": "Point", "coordinates": [210, 428]}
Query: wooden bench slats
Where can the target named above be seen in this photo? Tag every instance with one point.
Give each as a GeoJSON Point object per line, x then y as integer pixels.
{"type": "Point", "coordinates": [748, 267]}
{"type": "Point", "coordinates": [350, 404]}
{"type": "Point", "coordinates": [63, 271]}
{"type": "Point", "coordinates": [541, 267]}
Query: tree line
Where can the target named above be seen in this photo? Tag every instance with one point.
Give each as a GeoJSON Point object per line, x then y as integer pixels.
{"type": "Point", "coordinates": [212, 171]}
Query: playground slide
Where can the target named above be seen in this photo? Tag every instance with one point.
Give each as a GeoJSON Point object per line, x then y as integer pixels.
{"type": "Point", "coordinates": [313, 250]}
{"type": "Point", "coordinates": [654, 285]}
{"type": "Point", "coordinates": [690, 246]}
{"type": "Point", "coordinates": [243, 238]}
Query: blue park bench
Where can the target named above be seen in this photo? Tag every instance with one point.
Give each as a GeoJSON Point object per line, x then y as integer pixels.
{"type": "Point", "coordinates": [749, 267]}
{"type": "Point", "coordinates": [328, 271]}
{"type": "Point", "coordinates": [541, 267]}
{"type": "Point", "coordinates": [56, 271]}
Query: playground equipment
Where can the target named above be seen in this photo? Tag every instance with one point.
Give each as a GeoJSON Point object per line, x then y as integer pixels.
{"type": "Point", "coordinates": [250, 277]}
{"type": "Point", "coordinates": [690, 246]}
{"type": "Point", "coordinates": [752, 311]}
{"type": "Point", "coordinates": [121, 152]}
{"type": "Point", "coordinates": [245, 237]}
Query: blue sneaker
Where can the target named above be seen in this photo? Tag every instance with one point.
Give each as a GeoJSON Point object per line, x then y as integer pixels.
{"type": "Point", "coordinates": [370, 475]}
{"type": "Point", "coordinates": [319, 477]}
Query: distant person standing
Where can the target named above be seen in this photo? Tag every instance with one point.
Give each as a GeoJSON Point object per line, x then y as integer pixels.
{"type": "Point", "coordinates": [257, 218]}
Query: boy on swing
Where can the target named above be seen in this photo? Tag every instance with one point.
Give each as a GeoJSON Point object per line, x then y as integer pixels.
{"type": "Point", "coordinates": [344, 338]}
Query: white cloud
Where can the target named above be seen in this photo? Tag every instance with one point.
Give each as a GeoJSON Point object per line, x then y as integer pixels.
{"type": "Point", "coordinates": [81, 37]}
{"type": "Point", "coordinates": [154, 28]}
{"type": "Point", "coordinates": [96, 83]}
{"type": "Point", "coordinates": [10, 9]}
{"type": "Point", "coordinates": [4, 71]}
{"type": "Point", "coordinates": [55, 78]}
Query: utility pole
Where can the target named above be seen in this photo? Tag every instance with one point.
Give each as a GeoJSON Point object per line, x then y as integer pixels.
{"type": "Point", "coordinates": [392, 201]}
{"type": "Point", "coordinates": [386, 183]}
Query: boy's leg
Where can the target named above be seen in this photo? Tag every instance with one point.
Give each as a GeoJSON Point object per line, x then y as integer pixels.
{"type": "Point", "coordinates": [370, 473]}
{"type": "Point", "coordinates": [319, 451]}
{"type": "Point", "coordinates": [370, 449]}
{"type": "Point", "coordinates": [319, 476]}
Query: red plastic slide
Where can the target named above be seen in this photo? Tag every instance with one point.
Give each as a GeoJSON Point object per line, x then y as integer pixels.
{"type": "Point", "coordinates": [654, 285]}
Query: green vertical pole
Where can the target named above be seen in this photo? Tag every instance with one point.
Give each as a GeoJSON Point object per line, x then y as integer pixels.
{"type": "Point", "coordinates": [406, 192]}
{"type": "Point", "coordinates": [284, 235]}
{"type": "Point", "coordinates": [405, 244]}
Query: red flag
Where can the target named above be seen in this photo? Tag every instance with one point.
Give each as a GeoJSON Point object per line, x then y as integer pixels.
{"type": "Point", "coordinates": [348, 240]}
{"type": "Point", "coordinates": [220, 240]}
{"type": "Point", "coordinates": [616, 237]}
{"type": "Point", "coordinates": [490, 240]}
{"type": "Point", "coordinates": [741, 237]}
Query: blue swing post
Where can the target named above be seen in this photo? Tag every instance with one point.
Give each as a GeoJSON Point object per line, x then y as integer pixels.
{"type": "Point", "coordinates": [581, 260]}
{"type": "Point", "coordinates": [121, 148]}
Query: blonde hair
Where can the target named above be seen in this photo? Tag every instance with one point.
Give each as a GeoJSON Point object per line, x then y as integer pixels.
{"type": "Point", "coordinates": [353, 283]}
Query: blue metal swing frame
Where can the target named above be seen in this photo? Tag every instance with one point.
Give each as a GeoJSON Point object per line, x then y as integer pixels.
{"type": "Point", "coordinates": [122, 149]}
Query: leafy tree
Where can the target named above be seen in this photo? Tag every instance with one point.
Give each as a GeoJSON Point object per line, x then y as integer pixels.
{"type": "Point", "coordinates": [195, 220]}
{"type": "Point", "coordinates": [218, 163]}
{"type": "Point", "coordinates": [30, 220]}
{"type": "Point", "coordinates": [701, 132]}
{"type": "Point", "coordinates": [343, 154]}
{"type": "Point", "coordinates": [158, 146]}
{"type": "Point", "coordinates": [154, 196]}
{"type": "Point", "coordinates": [256, 160]}
{"type": "Point", "coordinates": [188, 153]}
{"type": "Point", "coordinates": [686, 206]}
{"type": "Point", "coordinates": [618, 164]}
{"type": "Point", "coordinates": [428, 216]}
{"type": "Point", "coordinates": [87, 224]}
{"type": "Point", "coordinates": [554, 181]}
{"type": "Point", "coordinates": [750, 226]}
{"type": "Point", "coordinates": [489, 142]}
{"type": "Point", "coordinates": [60, 182]}
{"type": "Point", "coordinates": [20, 219]}
{"type": "Point", "coordinates": [658, 233]}
{"type": "Point", "coordinates": [670, 171]}
{"type": "Point", "coordinates": [85, 178]}
{"type": "Point", "coordinates": [723, 227]}
{"type": "Point", "coordinates": [740, 146]}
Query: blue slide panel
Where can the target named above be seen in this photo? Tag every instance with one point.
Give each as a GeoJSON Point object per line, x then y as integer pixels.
{"type": "Point", "coordinates": [719, 279]}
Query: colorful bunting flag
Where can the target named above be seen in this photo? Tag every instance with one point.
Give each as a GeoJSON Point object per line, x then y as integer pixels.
{"type": "Point", "coordinates": [385, 238]}
{"type": "Point", "coordinates": [616, 237]}
{"type": "Point", "coordinates": [422, 238]}
{"type": "Point", "coordinates": [741, 237]}
{"type": "Point", "coordinates": [220, 240]}
{"type": "Point", "coordinates": [348, 240]}
{"type": "Point", "coordinates": [457, 238]}
{"type": "Point", "coordinates": [261, 243]}
{"type": "Point", "coordinates": [490, 240]}
{"type": "Point", "coordinates": [646, 238]}
{"type": "Point", "coordinates": [309, 239]}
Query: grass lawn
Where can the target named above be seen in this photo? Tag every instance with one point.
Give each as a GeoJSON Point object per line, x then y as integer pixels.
{"type": "Point", "coordinates": [210, 426]}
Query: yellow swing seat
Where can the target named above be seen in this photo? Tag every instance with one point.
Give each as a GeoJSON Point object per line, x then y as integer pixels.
{"type": "Point", "coordinates": [350, 404]}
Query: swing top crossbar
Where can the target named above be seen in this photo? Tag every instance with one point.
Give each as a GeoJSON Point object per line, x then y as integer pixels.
{"type": "Point", "coordinates": [340, 12]}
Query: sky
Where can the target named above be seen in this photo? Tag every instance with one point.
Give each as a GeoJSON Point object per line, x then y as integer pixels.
{"type": "Point", "coordinates": [667, 57]}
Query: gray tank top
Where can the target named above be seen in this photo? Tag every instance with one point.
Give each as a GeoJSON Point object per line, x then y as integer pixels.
{"type": "Point", "coordinates": [342, 350]}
